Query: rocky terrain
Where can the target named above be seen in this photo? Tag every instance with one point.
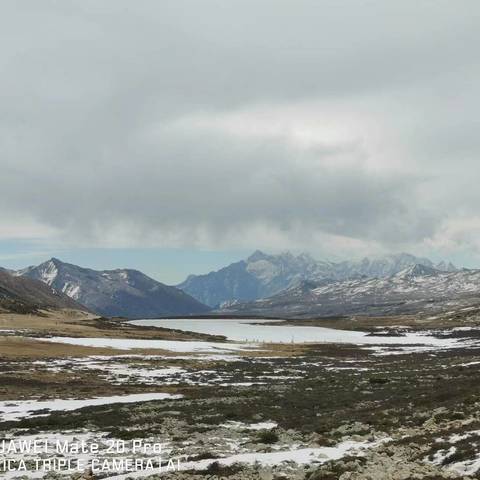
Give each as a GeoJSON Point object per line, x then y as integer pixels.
{"type": "Point", "coordinates": [418, 289]}
{"type": "Point", "coordinates": [304, 412]}
{"type": "Point", "coordinates": [123, 292]}
{"type": "Point", "coordinates": [262, 275]}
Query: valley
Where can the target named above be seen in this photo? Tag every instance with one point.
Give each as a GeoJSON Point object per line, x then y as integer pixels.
{"type": "Point", "coordinates": [365, 377]}
{"type": "Point", "coordinates": [225, 408]}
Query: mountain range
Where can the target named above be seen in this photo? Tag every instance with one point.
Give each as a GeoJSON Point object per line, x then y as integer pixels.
{"type": "Point", "coordinates": [417, 289]}
{"type": "Point", "coordinates": [123, 292]}
{"type": "Point", "coordinates": [262, 275]}
{"type": "Point", "coordinates": [267, 285]}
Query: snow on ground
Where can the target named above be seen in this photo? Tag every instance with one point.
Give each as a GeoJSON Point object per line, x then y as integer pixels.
{"type": "Point", "coordinates": [468, 364]}
{"type": "Point", "coordinates": [170, 345]}
{"type": "Point", "coordinates": [16, 410]}
{"type": "Point", "coordinates": [293, 455]}
{"type": "Point", "coordinates": [249, 426]}
{"type": "Point", "coordinates": [441, 455]}
{"type": "Point", "coordinates": [117, 372]}
{"type": "Point", "coordinates": [382, 350]}
{"type": "Point", "coordinates": [123, 373]}
{"type": "Point", "coordinates": [300, 456]}
{"type": "Point", "coordinates": [136, 369]}
{"type": "Point", "coordinates": [467, 467]}
{"type": "Point", "coordinates": [25, 450]}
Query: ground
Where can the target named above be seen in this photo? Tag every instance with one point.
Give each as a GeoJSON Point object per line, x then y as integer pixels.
{"type": "Point", "coordinates": [387, 413]}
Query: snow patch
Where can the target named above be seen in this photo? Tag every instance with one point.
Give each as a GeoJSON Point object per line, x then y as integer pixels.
{"type": "Point", "coordinates": [16, 410]}
{"type": "Point", "coordinates": [170, 345]}
{"type": "Point", "coordinates": [49, 274]}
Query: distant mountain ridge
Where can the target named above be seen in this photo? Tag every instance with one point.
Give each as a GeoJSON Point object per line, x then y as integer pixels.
{"type": "Point", "coordinates": [262, 275]}
{"type": "Point", "coordinates": [123, 292]}
{"type": "Point", "coordinates": [416, 289]}
{"type": "Point", "coordinates": [25, 295]}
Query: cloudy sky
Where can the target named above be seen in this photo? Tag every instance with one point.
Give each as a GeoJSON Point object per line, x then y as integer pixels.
{"type": "Point", "coordinates": [176, 136]}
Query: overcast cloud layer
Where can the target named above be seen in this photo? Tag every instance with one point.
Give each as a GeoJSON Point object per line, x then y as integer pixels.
{"type": "Point", "coordinates": [340, 127]}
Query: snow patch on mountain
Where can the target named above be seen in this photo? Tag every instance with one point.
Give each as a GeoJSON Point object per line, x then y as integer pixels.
{"type": "Point", "coordinates": [49, 272]}
{"type": "Point", "coordinates": [72, 290]}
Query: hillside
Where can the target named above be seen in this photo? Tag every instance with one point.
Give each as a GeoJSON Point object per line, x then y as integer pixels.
{"type": "Point", "coordinates": [25, 295]}
{"type": "Point", "coordinates": [123, 292]}
{"type": "Point", "coordinates": [262, 275]}
{"type": "Point", "coordinates": [416, 289]}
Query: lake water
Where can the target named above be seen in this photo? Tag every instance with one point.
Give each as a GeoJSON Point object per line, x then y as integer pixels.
{"type": "Point", "coordinates": [262, 331]}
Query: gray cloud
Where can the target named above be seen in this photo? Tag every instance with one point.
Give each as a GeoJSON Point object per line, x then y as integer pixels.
{"type": "Point", "coordinates": [227, 123]}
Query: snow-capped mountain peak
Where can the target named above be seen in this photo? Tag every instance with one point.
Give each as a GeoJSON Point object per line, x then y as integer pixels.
{"type": "Point", "coordinates": [417, 289]}
{"type": "Point", "coordinates": [262, 275]}
{"type": "Point", "coordinates": [417, 270]}
{"type": "Point", "coordinates": [49, 271]}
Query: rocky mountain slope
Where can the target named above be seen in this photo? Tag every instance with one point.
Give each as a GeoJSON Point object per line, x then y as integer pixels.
{"type": "Point", "coordinates": [262, 275]}
{"type": "Point", "coordinates": [127, 293]}
{"type": "Point", "coordinates": [416, 289]}
{"type": "Point", "coordinates": [25, 295]}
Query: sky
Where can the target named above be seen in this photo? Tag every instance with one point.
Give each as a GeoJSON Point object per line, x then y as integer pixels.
{"type": "Point", "coordinates": [178, 136]}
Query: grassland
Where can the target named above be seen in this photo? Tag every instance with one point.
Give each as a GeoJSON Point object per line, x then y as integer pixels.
{"type": "Point", "coordinates": [418, 412]}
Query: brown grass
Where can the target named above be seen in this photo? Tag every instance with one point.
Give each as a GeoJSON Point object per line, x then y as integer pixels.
{"type": "Point", "coordinates": [29, 348]}
{"type": "Point", "coordinates": [72, 323]}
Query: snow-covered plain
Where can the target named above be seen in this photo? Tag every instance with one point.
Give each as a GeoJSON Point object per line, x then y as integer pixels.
{"type": "Point", "coordinates": [136, 369]}
{"type": "Point", "coordinates": [253, 333]}
{"type": "Point", "coordinates": [169, 345]}
{"type": "Point", "coordinates": [247, 335]}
